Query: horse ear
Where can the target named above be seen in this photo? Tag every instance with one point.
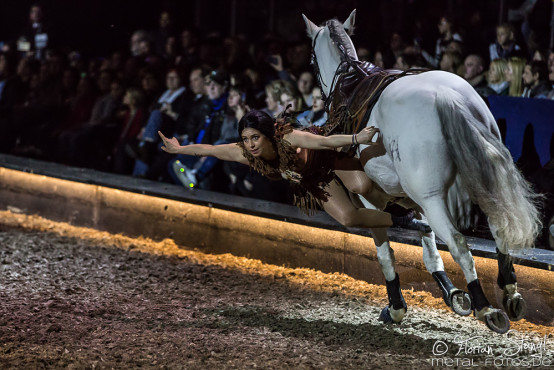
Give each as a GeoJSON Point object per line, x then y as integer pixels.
{"type": "Point", "coordinates": [349, 23]}
{"type": "Point", "coordinates": [311, 28]}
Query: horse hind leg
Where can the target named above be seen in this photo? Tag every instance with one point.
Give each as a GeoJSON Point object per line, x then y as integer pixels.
{"type": "Point", "coordinates": [441, 222]}
{"type": "Point", "coordinates": [512, 301]}
{"type": "Point", "coordinates": [455, 298]}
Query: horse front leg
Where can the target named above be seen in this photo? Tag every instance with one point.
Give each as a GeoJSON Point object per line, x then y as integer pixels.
{"type": "Point", "coordinates": [396, 309]}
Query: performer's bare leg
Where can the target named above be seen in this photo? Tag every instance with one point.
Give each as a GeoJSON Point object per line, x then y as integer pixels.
{"type": "Point", "coordinates": [340, 207]}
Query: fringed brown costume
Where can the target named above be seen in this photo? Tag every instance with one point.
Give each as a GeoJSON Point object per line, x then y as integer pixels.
{"type": "Point", "coordinates": [308, 178]}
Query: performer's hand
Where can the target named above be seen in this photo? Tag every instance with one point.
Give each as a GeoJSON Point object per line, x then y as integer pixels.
{"type": "Point", "coordinates": [170, 145]}
{"type": "Point", "coordinates": [366, 136]}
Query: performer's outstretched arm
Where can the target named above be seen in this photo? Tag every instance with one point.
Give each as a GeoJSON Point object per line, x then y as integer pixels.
{"type": "Point", "coordinates": [225, 152]}
{"type": "Point", "coordinates": [303, 139]}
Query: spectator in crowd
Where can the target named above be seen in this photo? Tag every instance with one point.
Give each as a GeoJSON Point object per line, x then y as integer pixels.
{"type": "Point", "coordinates": [137, 42]}
{"type": "Point", "coordinates": [291, 96]}
{"type": "Point", "coordinates": [131, 123]}
{"type": "Point", "coordinates": [207, 130]}
{"type": "Point", "coordinates": [317, 115]}
{"type": "Point", "coordinates": [204, 166]}
{"type": "Point", "coordinates": [163, 32]}
{"type": "Point", "coordinates": [13, 90]}
{"type": "Point", "coordinates": [496, 77]}
{"type": "Point", "coordinates": [163, 116]}
{"type": "Point", "coordinates": [505, 45]}
{"type": "Point", "coordinates": [451, 62]}
{"type": "Point", "coordinates": [535, 78]}
{"type": "Point", "coordinates": [474, 71]}
{"type": "Point", "coordinates": [514, 75]}
{"type": "Point", "coordinates": [90, 144]}
{"type": "Point", "coordinates": [447, 34]}
{"type": "Point", "coordinates": [305, 84]}
{"type": "Point", "coordinates": [79, 114]}
{"type": "Point", "coordinates": [189, 49]}
{"type": "Point", "coordinates": [37, 36]}
{"type": "Point", "coordinates": [151, 87]}
{"type": "Point", "coordinates": [273, 92]}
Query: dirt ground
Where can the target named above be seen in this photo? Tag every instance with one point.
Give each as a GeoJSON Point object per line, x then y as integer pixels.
{"type": "Point", "coordinates": [73, 297]}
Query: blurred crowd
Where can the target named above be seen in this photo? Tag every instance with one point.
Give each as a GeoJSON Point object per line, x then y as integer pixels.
{"type": "Point", "coordinates": [104, 112]}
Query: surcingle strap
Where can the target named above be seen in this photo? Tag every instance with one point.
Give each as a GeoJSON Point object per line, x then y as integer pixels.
{"type": "Point", "coordinates": [356, 93]}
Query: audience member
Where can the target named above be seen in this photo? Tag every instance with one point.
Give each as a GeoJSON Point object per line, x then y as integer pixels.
{"type": "Point", "coordinates": [447, 34]}
{"type": "Point", "coordinates": [505, 45]}
{"type": "Point", "coordinates": [317, 115]}
{"type": "Point", "coordinates": [474, 71]}
{"type": "Point", "coordinates": [535, 79]}
{"type": "Point", "coordinates": [305, 84]}
{"type": "Point", "coordinates": [131, 123]}
{"type": "Point", "coordinates": [206, 130]}
{"type": "Point", "coordinates": [496, 77]}
{"type": "Point", "coordinates": [514, 75]}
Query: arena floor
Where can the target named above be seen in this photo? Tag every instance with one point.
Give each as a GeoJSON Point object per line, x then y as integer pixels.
{"type": "Point", "coordinates": [77, 298]}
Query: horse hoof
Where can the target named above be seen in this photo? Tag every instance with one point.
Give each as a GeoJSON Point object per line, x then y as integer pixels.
{"type": "Point", "coordinates": [460, 302]}
{"type": "Point", "coordinates": [391, 316]}
{"type": "Point", "coordinates": [515, 306]}
{"type": "Point", "coordinates": [385, 316]}
{"type": "Point", "coordinates": [496, 320]}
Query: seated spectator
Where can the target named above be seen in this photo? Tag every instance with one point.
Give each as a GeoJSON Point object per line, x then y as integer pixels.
{"type": "Point", "coordinates": [273, 91]}
{"type": "Point", "coordinates": [163, 116]}
{"type": "Point", "coordinates": [305, 84]}
{"type": "Point", "coordinates": [317, 115]}
{"type": "Point", "coordinates": [535, 79]}
{"type": "Point", "coordinates": [132, 122]}
{"type": "Point", "coordinates": [496, 77]}
{"type": "Point", "coordinates": [514, 75]}
{"type": "Point", "coordinates": [505, 45]}
{"type": "Point", "coordinates": [474, 71]}
{"type": "Point", "coordinates": [206, 130]}
{"type": "Point", "coordinates": [79, 114]}
{"type": "Point", "coordinates": [291, 96]}
{"type": "Point", "coordinates": [451, 62]}
{"type": "Point", "coordinates": [90, 145]}
{"type": "Point", "coordinates": [229, 134]}
{"type": "Point", "coordinates": [447, 34]}
{"type": "Point", "coordinates": [162, 33]}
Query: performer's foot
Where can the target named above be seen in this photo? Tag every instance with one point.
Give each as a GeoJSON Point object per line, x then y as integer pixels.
{"type": "Point", "coordinates": [411, 223]}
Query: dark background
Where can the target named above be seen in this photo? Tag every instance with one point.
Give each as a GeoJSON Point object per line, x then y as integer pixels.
{"type": "Point", "coordinates": [101, 26]}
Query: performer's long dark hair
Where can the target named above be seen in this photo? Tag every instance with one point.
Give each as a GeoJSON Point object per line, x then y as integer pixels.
{"type": "Point", "coordinates": [260, 121]}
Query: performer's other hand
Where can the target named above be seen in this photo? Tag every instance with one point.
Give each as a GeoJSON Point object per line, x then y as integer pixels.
{"type": "Point", "coordinates": [170, 145]}
{"type": "Point", "coordinates": [366, 136]}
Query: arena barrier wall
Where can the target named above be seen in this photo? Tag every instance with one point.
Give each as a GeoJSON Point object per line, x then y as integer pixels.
{"type": "Point", "coordinates": [274, 233]}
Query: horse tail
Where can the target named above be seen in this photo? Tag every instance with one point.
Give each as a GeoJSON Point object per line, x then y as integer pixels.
{"type": "Point", "coordinates": [488, 173]}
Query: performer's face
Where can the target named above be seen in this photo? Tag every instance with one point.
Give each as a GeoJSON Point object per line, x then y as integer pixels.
{"type": "Point", "coordinates": [257, 143]}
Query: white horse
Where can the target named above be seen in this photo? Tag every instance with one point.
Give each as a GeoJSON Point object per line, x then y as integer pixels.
{"type": "Point", "coordinates": [444, 151]}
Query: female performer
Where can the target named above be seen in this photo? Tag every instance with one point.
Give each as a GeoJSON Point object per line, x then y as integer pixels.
{"type": "Point", "coordinates": [309, 161]}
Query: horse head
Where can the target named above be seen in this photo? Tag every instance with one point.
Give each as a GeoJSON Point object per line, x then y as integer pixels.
{"type": "Point", "coordinates": [332, 49]}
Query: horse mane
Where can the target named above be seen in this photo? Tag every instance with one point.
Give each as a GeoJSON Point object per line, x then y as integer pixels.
{"type": "Point", "coordinates": [340, 37]}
